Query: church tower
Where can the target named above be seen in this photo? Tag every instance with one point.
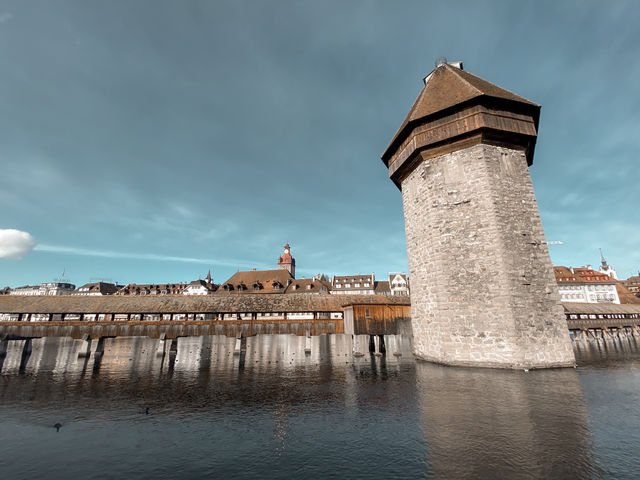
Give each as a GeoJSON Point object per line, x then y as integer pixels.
{"type": "Point", "coordinates": [483, 292]}
{"type": "Point", "coordinates": [606, 268]}
{"type": "Point", "coordinates": [287, 262]}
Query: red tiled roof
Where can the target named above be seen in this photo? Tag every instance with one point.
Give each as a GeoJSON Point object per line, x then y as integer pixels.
{"type": "Point", "coordinates": [580, 275]}
{"type": "Point", "coordinates": [308, 285]}
{"type": "Point", "coordinates": [256, 281]}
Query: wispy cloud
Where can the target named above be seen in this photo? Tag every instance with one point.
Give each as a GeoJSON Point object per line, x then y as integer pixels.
{"type": "Point", "coordinates": [5, 17]}
{"type": "Point", "coordinates": [145, 256]}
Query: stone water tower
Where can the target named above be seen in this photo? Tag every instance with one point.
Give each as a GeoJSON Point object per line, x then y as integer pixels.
{"type": "Point", "coordinates": [483, 292]}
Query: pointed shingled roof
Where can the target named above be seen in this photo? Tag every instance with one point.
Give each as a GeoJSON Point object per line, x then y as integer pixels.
{"type": "Point", "coordinates": [446, 87]}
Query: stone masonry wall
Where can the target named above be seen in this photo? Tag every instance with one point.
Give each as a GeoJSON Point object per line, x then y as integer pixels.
{"type": "Point", "coordinates": [482, 286]}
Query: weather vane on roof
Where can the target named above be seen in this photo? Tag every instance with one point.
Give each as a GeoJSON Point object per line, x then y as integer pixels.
{"type": "Point", "coordinates": [440, 61]}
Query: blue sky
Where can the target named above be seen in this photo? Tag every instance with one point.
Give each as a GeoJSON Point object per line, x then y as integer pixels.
{"type": "Point", "coordinates": [149, 141]}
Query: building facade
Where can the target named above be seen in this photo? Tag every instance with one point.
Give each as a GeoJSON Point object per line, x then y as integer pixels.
{"type": "Point", "coordinates": [633, 284]}
{"type": "Point", "coordinates": [585, 285]}
{"type": "Point", "coordinates": [353, 284]}
{"type": "Point", "coordinates": [398, 283]}
{"type": "Point", "coordinates": [48, 288]}
{"type": "Point", "coordinates": [201, 287]}
{"type": "Point", "coordinates": [97, 288]}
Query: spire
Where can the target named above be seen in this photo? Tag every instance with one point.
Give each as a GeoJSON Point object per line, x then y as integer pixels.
{"type": "Point", "coordinates": [208, 278]}
{"type": "Point", "coordinates": [604, 262]}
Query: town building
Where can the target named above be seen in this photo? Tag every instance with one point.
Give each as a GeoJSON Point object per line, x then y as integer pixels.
{"type": "Point", "coordinates": [287, 262]}
{"type": "Point", "coordinates": [382, 288]}
{"type": "Point", "coordinates": [308, 285]}
{"type": "Point", "coordinates": [625, 295]}
{"type": "Point", "coordinates": [47, 288]}
{"type": "Point", "coordinates": [606, 268]}
{"type": "Point", "coordinates": [152, 289]}
{"type": "Point", "coordinates": [97, 288]}
{"type": "Point", "coordinates": [256, 281]}
{"type": "Point", "coordinates": [201, 287]}
{"type": "Point", "coordinates": [353, 284]}
{"type": "Point", "coordinates": [633, 284]}
{"type": "Point", "coordinates": [585, 285]}
{"type": "Point", "coordinates": [399, 283]}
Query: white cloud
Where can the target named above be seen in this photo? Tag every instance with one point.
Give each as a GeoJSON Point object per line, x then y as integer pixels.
{"type": "Point", "coordinates": [15, 244]}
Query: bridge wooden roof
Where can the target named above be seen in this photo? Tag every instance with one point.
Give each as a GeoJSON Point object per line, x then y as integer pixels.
{"type": "Point", "coordinates": [190, 303]}
{"type": "Point", "coordinates": [600, 308]}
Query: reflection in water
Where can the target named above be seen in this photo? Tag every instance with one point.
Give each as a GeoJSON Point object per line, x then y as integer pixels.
{"type": "Point", "coordinates": [493, 424]}
{"type": "Point", "coordinates": [199, 406]}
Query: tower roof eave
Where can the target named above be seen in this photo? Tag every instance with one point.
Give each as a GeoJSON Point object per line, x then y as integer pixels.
{"type": "Point", "coordinates": [448, 88]}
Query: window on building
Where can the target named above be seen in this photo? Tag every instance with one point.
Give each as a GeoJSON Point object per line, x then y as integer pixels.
{"type": "Point", "coordinates": [367, 313]}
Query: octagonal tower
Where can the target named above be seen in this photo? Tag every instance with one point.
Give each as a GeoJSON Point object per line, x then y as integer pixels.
{"type": "Point", "coordinates": [483, 291]}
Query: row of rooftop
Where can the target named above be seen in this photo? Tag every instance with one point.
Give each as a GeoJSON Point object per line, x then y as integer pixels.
{"type": "Point", "coordinates": [279, 281]}
{"type": "Point", "coordinates": [582, 284]}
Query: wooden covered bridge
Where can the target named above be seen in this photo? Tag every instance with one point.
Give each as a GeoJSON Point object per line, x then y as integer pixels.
{"type": "Point", "coordinates": [170, 316]}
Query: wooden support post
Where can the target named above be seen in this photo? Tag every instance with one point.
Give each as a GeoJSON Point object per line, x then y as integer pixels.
{"type": "Point", "coordinates": [51, 317]}
{"type": "Point", "coordinates": [241, 344]}
{"type": "Point", "coordinates": [62, 316]}
{"type": "Point", "coordinates": [19, 317]}
{"type": "Point", "coordinates": [307, 343]}
{"type": "Point", "coordinates": [128, 317]}
{"type": "Point", "coordinates": [26, 353]}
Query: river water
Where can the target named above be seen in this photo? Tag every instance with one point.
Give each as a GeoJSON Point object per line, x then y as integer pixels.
{"type": "Point", "coordinates": [276, 412]}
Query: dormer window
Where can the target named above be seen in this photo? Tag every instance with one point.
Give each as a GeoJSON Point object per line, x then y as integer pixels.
{"type": "Point", "coordinates": [257, 286]}
{"type": "Point", "coordinates": [366, 284]}
{"type": "Point", "coordinates": [347, 285]}
{"type": "Point", "coordinates": [309, 287]}
{"type": "Point", "coordinates": [357, 285]}
{"type": "Point", "coordinates": [338, 285]}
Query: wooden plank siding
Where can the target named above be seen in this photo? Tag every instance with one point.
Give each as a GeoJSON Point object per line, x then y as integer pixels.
{"type": "Point", "coordinates": [380, 319]}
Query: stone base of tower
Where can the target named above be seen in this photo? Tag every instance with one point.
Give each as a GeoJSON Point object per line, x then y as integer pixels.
{"type": "Point", "coordinates": [483, 293]}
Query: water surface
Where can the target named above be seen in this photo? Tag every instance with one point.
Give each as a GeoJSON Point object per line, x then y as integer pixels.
{"type": "Point", "coordinates": [275, 412]}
